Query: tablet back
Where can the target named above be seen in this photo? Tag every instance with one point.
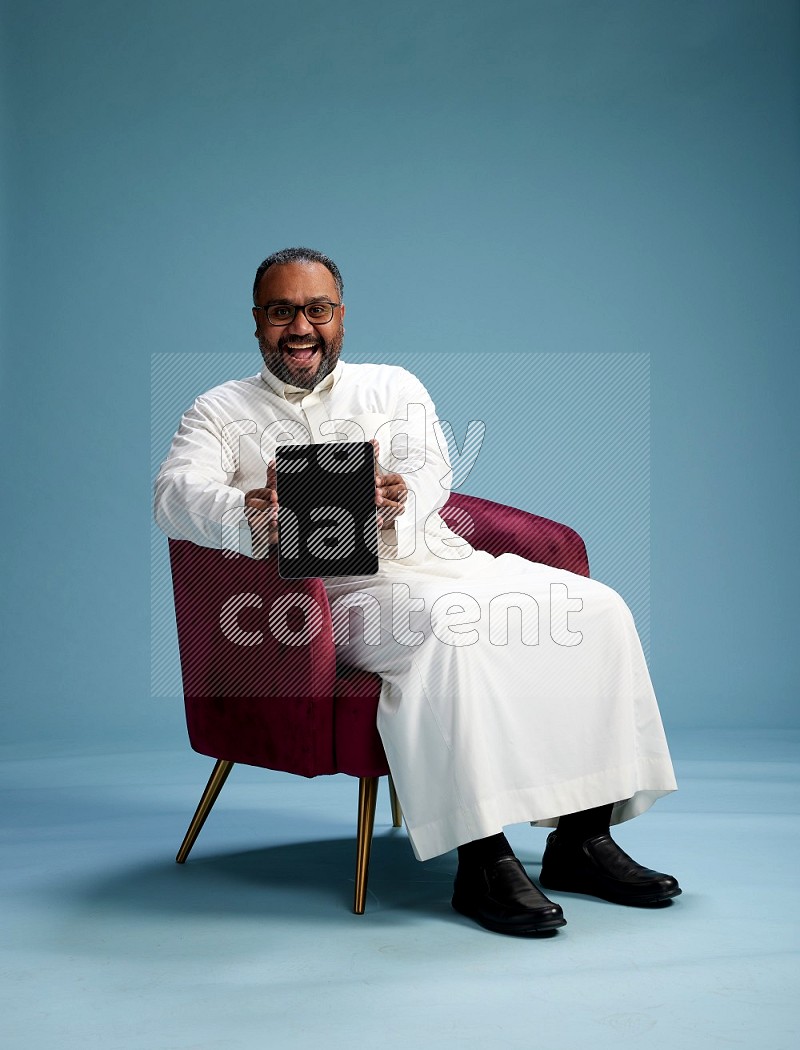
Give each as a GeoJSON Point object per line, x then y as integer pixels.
{"type": "Point", "coordinates": [327, 524]}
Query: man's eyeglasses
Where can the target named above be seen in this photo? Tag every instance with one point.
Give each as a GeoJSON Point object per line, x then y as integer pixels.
{"type": "Point", "coordinates": [280, 314]}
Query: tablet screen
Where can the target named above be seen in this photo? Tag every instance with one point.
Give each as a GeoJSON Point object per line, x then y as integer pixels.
{"type": "Point", "coordinates": [327, 518]}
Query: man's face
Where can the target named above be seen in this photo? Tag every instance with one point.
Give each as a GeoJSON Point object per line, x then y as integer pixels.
{"type": "Point", "coordinates": [299, 353]}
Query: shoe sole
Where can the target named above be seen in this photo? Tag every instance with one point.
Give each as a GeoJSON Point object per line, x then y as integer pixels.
{"type": "Point", "coordinates": [656, 898]}
{"type": "Point", "coordinates": [545, 926]}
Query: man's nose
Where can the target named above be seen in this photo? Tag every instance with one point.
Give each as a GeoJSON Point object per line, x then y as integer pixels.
{"type": "Point", "coordinates": [300, 325]}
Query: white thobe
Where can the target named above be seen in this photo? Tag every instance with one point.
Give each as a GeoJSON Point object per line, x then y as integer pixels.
{"type": "Point", "coordinates": [512, 691]}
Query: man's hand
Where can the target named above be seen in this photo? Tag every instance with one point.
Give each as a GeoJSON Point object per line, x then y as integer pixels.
{"type": "Point", "coordinates": [391, 494]}
{"type": "Point", "coordinates": [261, 510]}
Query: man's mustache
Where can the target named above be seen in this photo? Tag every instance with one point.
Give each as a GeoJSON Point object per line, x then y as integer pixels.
{"type": "Point", "coordinates": [285, 342]}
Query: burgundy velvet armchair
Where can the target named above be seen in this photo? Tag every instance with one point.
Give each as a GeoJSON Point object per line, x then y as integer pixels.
{"type": "Point", "coordinates": [278, 700]}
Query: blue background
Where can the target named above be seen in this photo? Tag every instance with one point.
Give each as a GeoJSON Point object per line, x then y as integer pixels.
{"type": "Point", "coordinates": [529, 177]}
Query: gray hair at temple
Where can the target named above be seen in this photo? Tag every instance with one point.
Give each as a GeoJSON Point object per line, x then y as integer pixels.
{"type": "Point", "coordinates": [301, 255]}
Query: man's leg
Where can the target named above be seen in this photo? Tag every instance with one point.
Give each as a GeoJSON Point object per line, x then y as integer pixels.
{"type": "Point", "coordinates": [508, 729]}
{"type": "Point", "coordinates": [581, 857]}
{"type": "Point", "coordinates": [493, 888]}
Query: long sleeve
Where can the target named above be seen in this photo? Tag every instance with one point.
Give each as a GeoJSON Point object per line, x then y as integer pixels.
{"type": "Point", "coordinates": [194, 497]}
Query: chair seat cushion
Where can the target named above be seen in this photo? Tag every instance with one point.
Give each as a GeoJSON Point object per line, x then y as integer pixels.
{"type": "Point", "coordinates": [287, 733]}
{"type": "Point", "coordinates": [296, 735]}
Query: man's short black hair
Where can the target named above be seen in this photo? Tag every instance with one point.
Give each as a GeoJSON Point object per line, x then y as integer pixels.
{"type": "Point", "coordinates": [302, 255]}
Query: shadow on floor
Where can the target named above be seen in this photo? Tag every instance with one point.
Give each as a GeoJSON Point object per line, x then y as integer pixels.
{"type": "Point", "coordinates": [313, 879]}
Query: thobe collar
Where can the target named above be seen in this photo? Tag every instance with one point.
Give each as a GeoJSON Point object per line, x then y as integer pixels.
{"type": "Point", "coordinates": [292, 393]}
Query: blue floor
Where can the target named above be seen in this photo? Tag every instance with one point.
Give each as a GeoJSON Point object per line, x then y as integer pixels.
{"type": "Point", "coordinates": [109, 944]}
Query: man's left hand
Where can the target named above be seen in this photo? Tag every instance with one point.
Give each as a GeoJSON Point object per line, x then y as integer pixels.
{"type": "Point", "coordinates": [391, 493]}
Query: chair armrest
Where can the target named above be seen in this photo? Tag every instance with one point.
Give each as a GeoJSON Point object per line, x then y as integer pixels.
{"type": "Point", "coordinates": [498, 529]}
{"type": "Point", "coordinates": [244, 631]}
{"type": "Point", "coordinates": [257, 658]}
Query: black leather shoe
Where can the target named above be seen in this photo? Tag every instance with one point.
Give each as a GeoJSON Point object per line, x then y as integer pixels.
{"type": "Point", "coordinates": [600, 868]}
{"type": "Point", "coordinates": [501, 897]}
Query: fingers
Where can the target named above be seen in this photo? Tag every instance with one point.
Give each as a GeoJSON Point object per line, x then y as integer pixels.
{"type": "Point", "coordinates": [391, 501]}
{"type": "Point", "coordinates": [268, 494]}
{"type": "Point", "coordinates": [391, 492]}
{"type": "Point", "coordinates": [392, 485]}
{"type": "Point", "coordinates": [376, 448]}
{"type": "Point", "coordinates": [261, 511]}
{"type": "Point", "coordinates": [261, 514]}
{"type": "Point", "coordinates": [261, 504]}
{"type": "Point", "coordinates": [264, 495]}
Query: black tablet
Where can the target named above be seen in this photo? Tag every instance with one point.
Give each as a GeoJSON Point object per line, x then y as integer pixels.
{"type": "Point", "coordinates": [327, 518]}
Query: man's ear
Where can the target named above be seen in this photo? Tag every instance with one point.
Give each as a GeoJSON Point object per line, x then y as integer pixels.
{"type": "Point", "coordinates": [343, 310]}
{"type": "Point", "coordinates": [255, 318]}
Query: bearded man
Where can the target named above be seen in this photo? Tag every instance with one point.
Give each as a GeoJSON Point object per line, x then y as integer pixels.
{"type": "Point", "coordinates": [555, 727]}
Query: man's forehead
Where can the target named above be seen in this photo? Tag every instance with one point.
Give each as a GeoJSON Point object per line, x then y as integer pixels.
{"type": "Point", "coordinates": [297, 279]}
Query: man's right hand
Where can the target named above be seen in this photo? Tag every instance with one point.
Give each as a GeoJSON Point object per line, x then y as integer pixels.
{"type": "Point", "coordinates": [261, 510]}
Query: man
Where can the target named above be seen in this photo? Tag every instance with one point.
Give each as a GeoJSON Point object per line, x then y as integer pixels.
{"type": "Point", "coordinates": [481, 728]}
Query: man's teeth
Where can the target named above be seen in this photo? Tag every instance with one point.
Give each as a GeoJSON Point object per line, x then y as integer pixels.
{"type": "Point", "coordinates": [303, 354]}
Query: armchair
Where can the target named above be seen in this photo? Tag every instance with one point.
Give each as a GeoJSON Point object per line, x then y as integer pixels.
{"type": "Point", "coordinates": [278, 700]}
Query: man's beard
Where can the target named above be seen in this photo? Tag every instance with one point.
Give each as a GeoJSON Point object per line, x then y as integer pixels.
{"type": "Point", "coordinates": [274, 359]}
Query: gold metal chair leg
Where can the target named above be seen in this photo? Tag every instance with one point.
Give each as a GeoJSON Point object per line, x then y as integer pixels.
{"type": "Point", "coordinates": [213, 788]}
{"type": "Point", "coordinates": [367, 797]}
{"type": "Point", "coordinates": [397, 812]}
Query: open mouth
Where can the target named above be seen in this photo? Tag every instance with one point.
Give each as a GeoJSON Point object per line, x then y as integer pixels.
{"type": "Point", "coordinates": [303, 353]}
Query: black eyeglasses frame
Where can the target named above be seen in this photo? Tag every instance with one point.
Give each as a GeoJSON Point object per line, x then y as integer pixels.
{"type": "Point", "coordinates": [297, 308]}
